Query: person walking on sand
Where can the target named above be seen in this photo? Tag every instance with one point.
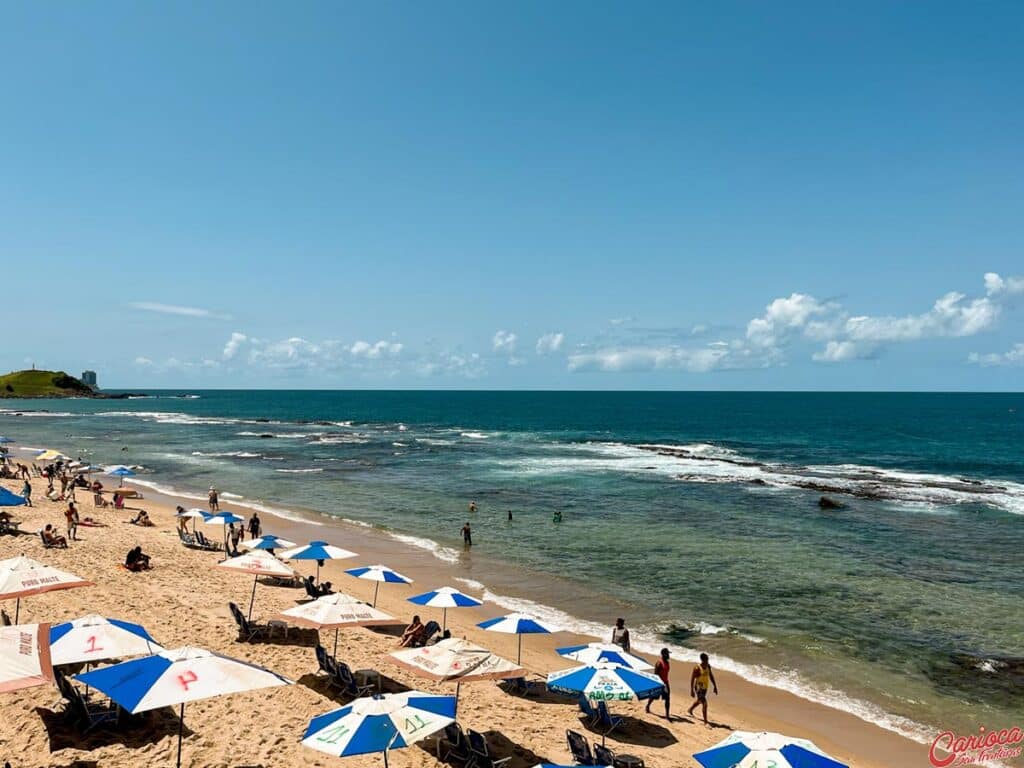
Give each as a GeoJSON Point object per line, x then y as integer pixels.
{"type": "Point", "coordinates": [620, 635]}
{"type": "Point", "coordinates": [661, 670]}
{"type": "Point", "coordinates": [254, 526]}
{"type": "Point", "coordinates": [26, 491]}
{"type": "Point", "coordinates": [702, 679]}
{"type": "Point", "coordinates": [214, 501]}
{"type": "Point", "coordinates": [467, 535]}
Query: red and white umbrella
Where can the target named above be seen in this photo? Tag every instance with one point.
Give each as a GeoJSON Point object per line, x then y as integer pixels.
{"type": "Point", "coordinates": [258, 563]}
{"type": "Point", "coordinates": [22, 576]}
{"type": "Point", "coordinates": [25, 656]}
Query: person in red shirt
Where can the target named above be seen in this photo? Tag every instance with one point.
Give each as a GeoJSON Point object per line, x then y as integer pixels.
{"type": "Point", "coordinates": [661, 670]}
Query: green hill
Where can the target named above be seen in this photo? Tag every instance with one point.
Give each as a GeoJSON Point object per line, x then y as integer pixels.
{"type": "Point", "coordinates": [42, 384]}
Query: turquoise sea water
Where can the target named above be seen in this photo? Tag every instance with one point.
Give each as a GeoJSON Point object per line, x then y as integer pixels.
{"type": "Point", "coordinates": [696, 513]}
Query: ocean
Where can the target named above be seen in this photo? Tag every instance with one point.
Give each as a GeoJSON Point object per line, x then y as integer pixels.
{"type": "Point", "coordinates": [694, 515]}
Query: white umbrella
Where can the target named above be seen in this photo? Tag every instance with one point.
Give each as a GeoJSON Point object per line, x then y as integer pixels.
{"type": "Point", "coordinates": [25, 656]}
{"type": "Point", "coordinates": [456, 659]}
{"type": "Point", "coordinates": [176, 677]}
{"type": "Point", "coordinates": [195, 514]}
{"type": "Point", "coordinates": [22, 576]}
{"type": "Point", "coordinates": [336, 611]}
{"type": "Point", "coordinates": [258, 563]}
{"type": "Point", "coordinates": [385, 721]}
{"type": "Point", "coordinates": [95, 638]}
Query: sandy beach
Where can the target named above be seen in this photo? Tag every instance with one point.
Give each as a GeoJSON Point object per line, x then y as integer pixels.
{"type": "Point", "coordinates": [184, 601]}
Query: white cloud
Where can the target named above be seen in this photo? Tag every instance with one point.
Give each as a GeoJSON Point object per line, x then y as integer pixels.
{"type": "Point", "coordinates": [504, 342]}
{"type": "Point", "coordinates": [550, 343]}
{"type": "Point", "coordinates": [1014, 357]}
{"type": "Point", "coordinates": [173, 309]}
{"type": "Point", "coordinates": [144, 362]}
{"type": "Point", "coordinates": [783, 317]}
{"type": "Point", "coordinates": [231, 348]}
{"type": "Point", "coordinates": [468, 365]}
{"type": "Point", "coordinates": [640, 358]}
{"type": "Point", "coordinates": [1009, 286]}
{"type": "Point", "coordinates": [375, 351]}
{"type": "Point", "coordinates": [839, 351]}
{"type": "Point", "coordinates": [950, 316]}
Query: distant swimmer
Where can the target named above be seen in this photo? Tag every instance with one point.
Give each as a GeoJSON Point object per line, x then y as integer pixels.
{"type": "Point", "coordinates": [472, 506]}
{"type": "Point", "coordinates": [557, 517]}
{"type": "Point", "coordinates": [510, 515]}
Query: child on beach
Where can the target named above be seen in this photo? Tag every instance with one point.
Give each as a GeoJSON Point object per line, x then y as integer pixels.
{"type": "Point", "coordinates": [26, 491]}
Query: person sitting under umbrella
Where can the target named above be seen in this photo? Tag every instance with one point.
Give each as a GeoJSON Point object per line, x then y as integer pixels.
{"type": "Point", "coordinates": [136, 560]}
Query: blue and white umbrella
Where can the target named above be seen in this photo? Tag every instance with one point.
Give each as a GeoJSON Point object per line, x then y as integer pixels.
{"type": "Point", "coordinates": [744, 749]}
{"type": "Point", "coordinates": [592, 653]}
{"type": "Point", "coordinates": [605, 682]}
{"type": "Point", "coordinates": [4, 440]}
{"type": "Point", "coordinates": [9, 499]}
{"type": "Point", "coordinates": [517, 624]}
{"type": "Point", "coordinates": [95, 638]}
{"type": "Point", "coordinates": [445, 598]}
{"type": "Point", "coordinates": [177, 677]}
{"type": "Point", "coordinates": [195, 513]}
{"type": "Point", "coordinates": [120, 471]}
{"type": "Point", "coordinates": [319, 551]}
{"type": "Point", "coordinates": [225, 519]}
{"type": "Point", "coordinates": [380, 574]}
{"type": "Point", "coordinates": [268, 542]}
{"type": "Point", "coordinates": [379, 723]}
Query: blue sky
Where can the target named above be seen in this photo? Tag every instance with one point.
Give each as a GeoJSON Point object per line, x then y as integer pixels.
{"type": "Point", "coordinates": [555, 195]}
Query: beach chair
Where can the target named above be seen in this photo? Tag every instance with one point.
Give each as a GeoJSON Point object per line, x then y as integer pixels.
{"type": "Point", "coordinates": [481, 754]}
{"type": "Point", "coordinates": [521, 686]}
{"type": "Point", "coordinates": [79, 711]}
{"type": "Point", "coordinates": [4, 618]}
{"type": "Point", "coordinates": [606, 721]}
{"type": "Point", "coordinates": [347, 682]}
{"type": "Point", "coordinates": [311, 589]}
{"type": "Point", "coordinates": [205, 543]}
{"type": "Point", "coordinates": [430, 629]}
{"type": "Point", "coordinates": [587, 710]}
{"type": "Point", "coordinates": [247, 630]}
{"type": "Point", "coordinates": [603, 755]}
{"type": "Point", "coordinates": [50, 544]}
{"type": "Point", "coordinates": [453, 745]}
{"type": "Point", "coordinates": [580, 748]}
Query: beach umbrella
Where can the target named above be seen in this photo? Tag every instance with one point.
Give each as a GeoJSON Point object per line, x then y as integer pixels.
{"type": "Point", "coordinates": [336, 611]}
{"type": "Point", "coordinates": [51, 455]}
{"type": "Point", "coordinates": [379, 723]}
{"type": "Point", "coordinates": [517, 624]}
{"type": "Point", "coordinates": [225, 519]}
{"type": "Point", "coordinates": [744, 749]}
{"type": "Point", "coordinates": [592, 653]}
{"type": "Point", "coordinates": [258, 563]}
{"type": "Point", "coordinates": [9, 499]}
{"type": "Point", "coordinates": [4, 440]}
{"type": "Point", "coordinates": [445, 598]}
{"type": "Point", "coordinates": [95, 638]}
{"type": "Point", "coordinates": [319, 551]}
{"type": "Point", "coordinates": [195, 514]}
{"type": "Point", "coordinates": [177, 677]}
{"type": "Point", "coordinates": [120, 471]}
{"type": "Point", "coordinates": [24, 656]}
{"type": "Point", "coordinates": [379, 574]}
{"type": "Point", "coordinates": [456, 659]}
{"type": "Point", "coordinates": [605, 682]}
{"type": "Point", "coordinates": [22, 576]}
{"type": "Point", "coordinates": [267, 542]}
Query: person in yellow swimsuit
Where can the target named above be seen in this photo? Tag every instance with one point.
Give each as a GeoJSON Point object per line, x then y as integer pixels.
{"type": "Point", "coordinates": [700, 681]}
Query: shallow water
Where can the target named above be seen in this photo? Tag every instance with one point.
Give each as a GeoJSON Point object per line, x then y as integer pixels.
{"type": "Point", "coordinates": [695, 513]}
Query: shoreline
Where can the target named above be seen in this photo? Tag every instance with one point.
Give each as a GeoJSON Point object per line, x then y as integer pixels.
{"type": "Point", "coordinates": [754, 705]}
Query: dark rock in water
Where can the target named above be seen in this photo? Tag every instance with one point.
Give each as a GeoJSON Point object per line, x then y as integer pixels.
{"type": "Point", "coordinates": [826, 503]}
{"type": "Point", "coordinates": [758, 481]}
{"type": "Point", "coordinates": [265, 436]}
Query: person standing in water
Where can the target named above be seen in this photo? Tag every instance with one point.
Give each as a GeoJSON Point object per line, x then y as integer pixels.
{"type": "Point", "coordinates": [700, 681]}
{"type": "Point", "coordinates": [620, 635]}
{"type": "Point", "coordinates": [214, 500]}
{"type": "Point", "coordinates": [510, 515]}
{"type": "Point", "coordinates": [472, 507]}
{"type": "Point", "coordinates": [467, 535]}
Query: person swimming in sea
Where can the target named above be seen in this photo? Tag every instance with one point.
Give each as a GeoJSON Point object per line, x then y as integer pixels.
{"type": "Point", "coordinates": [557, 516]}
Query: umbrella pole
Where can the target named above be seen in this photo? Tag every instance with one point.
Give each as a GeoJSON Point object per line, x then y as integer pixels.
{"type": "Point", "coordinates": [252, 597]}
{"type": "Point", "coordinates": [519, 657]}
{"type": "Point", "coordinates": [17, 610]}
{"type": "Point", "coordinates": [458, 687]}
{"type": "Point", "coordinates": [335, 641]}
{"type": "Point", "coordinates": [376, 586]}
{"type": "Point", "coordinates": [444, 619]}
{"type": "Point", "coordinates": [318, 572]}
{"type": "Point", "coordinates": [181, 727]}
